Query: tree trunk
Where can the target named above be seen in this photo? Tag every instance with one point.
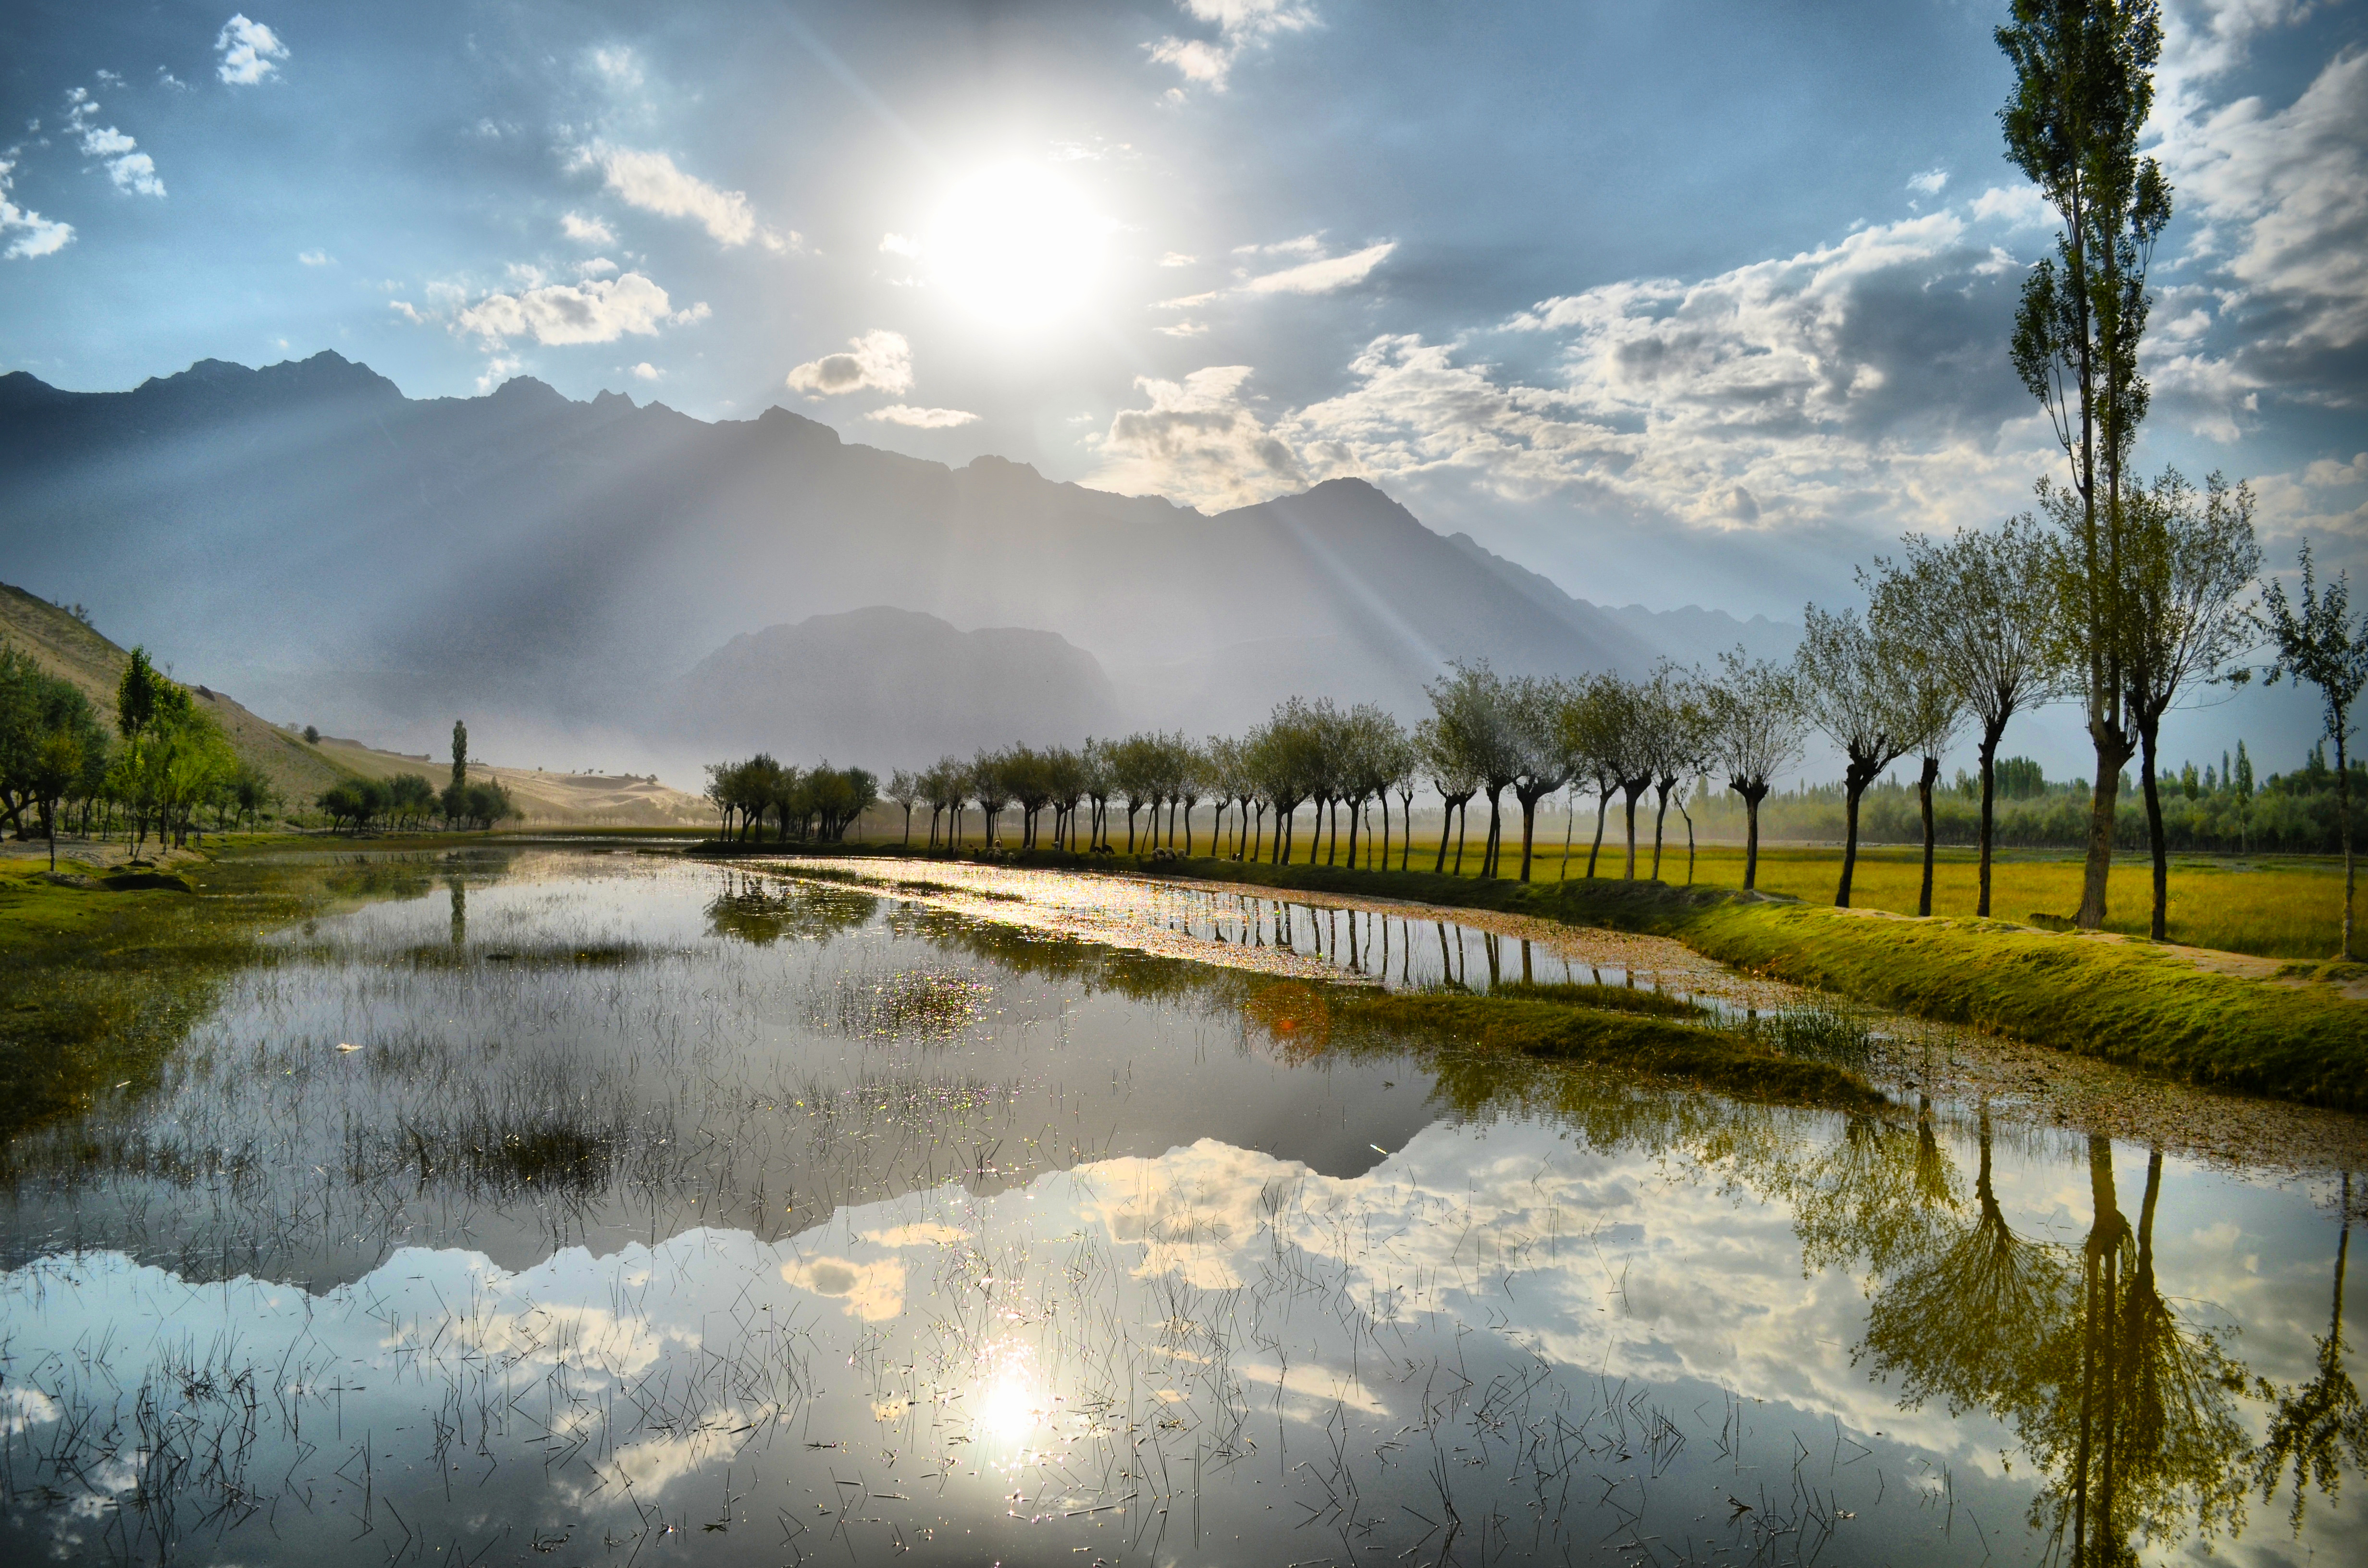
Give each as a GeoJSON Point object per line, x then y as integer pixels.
{"type": "Point", "coordinates": [1447, 811]}
{"type": "Point", "coordinates": [1854, 785]}
{"type": "Point", "coordinates": [1924, 800]}
{"type": "Point", "coordinates": [1660, 818]}
{"type": "Point", "coordinates": [1990, 736]}
{"type": "Point", "coordinates": [1752, 794]}
{"type": "Point", "coordinates": [2343, 799]}
{"type": "Point", "coordinates": [2113, 754]}
{"type": "Point", "coordinates": [2149, 787]}
{"type": "Point", "coordinates": [1602, 816]}
{"type": "Point", "coordinates": [1463, 823]}
{"type": "Point", "coordinates": [1528, 827]}
{"type": "Point", "coordinates": [1632, 789]}
{"type": "Point", "coordinates": [1569, 822]}
{"type": "Point", "coordinates": [1405, 829]}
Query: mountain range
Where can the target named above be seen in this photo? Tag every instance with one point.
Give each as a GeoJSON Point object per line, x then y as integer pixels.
{"type": "Point", "coordinates": [623, 575]}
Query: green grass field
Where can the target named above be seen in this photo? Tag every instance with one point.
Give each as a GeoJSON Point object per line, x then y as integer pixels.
{"type": "Point", "coordinates": [2275, 906]}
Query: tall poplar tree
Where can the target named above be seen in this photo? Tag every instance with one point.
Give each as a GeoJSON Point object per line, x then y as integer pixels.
{"type": "Point", "coordinates": [459, 753]}
{"type": "Point", "coordinates": [2084, 83]}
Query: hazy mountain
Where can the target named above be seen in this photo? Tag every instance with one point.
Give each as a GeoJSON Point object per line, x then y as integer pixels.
{"type": "Point", "coordinates": [339, 552]}
{"type": "Point", "coordinates": [1691, 635]}
{"type": "Point", "coordinates": [872, 686]}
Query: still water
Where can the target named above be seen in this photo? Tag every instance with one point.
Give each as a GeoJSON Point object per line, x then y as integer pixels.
{"type": "Point", "coordinates": [556, 1207]}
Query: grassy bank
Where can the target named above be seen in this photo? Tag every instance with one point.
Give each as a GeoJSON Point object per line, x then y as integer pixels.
{"type": "Point", "coordinates": [102, 974]}
{"type": "Point", "coordinates": [2292, 1037]}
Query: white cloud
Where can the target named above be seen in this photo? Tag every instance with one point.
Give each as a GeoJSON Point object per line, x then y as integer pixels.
{"type": "Point", "coordinates": [1241, 24]}
{"type": "Point", "coordinates": [1322, 276]}
{"type": "Point", "coordinates": [34, 234]}
{"type": "Point", "coordinates": [2017, 205]}
{"type": "Point", "coordinates": [593, 311]}
{"type": "Point", "coordinates": [1187, 302]}
{"type": "Point", "coordinates": [408, 312]}
{"type": "Point", "coordinates": [586, 231]}
{"type": "Point", "coordinates": [1199, 442]}
{"type": "Point", "coordinates": [922, 418]}
{"type": "Point", "coordinates": [1929, 182]}
{"type": "Point", "coordinates": [1305, 245]}
{"type": "Point", "coordinates": [315, 257]}
{"type": "Point", "coordinates": [878, 362]}
{"type": "Point", "coordinates": [498, 369]}
{"type": "Point", "coordinates": [645, 371]}
{"type": "Point", "coordinates": [652, 182]}
{"type": "Point", "coordinates": [1182, 329]}
{"type": "Point", "coordinates": [1860, 382]}
{"type": "Point", "coordinates": [595, 267]}
{"type": "Point", "coordinates": [1177, 258]}
{"type": "Point", "coordinates": [897, 244]}
{"type": "Point", "coordinates": [250, 51]}
{"type": "Point", "coordinates": [616, 63]}
{"type": "Point", "coordinates": [131, 170]}
{"type": "Point", "coordinates": [2283, 199]}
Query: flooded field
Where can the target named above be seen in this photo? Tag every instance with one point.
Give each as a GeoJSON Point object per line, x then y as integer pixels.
{"type": "Point", "coordinates": [567, 1207]}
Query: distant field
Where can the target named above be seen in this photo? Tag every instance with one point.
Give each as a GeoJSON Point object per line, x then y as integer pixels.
{"type": "Point", "coordinates": [2276, 906]}
{"type": "Point", "coordinates": [2285, 907]}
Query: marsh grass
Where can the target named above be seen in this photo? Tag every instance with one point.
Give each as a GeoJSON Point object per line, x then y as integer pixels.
{"type": "Point", "coordinates": [1817, 1030]}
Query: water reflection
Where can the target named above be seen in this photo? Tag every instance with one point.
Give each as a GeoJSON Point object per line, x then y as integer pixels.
{"type": "Point", "coordinates": [814, 1221]}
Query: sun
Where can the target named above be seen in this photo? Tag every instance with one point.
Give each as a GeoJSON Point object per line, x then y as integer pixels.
{"type": "Point", "coordinates": [1016, 246]}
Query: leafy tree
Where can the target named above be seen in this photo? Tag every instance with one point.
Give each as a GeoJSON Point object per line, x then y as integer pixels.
{"type": "Point", "coordinates": [1932, 702]}
{"type": "Point", "coordinates": [2320, 646]}
{"type": "Point", "coordinates": [2191, 556]}
{"type": "Point", "coordinates": [1848, 690]}
{"type": "Point", "coordinates": [1980, 606]}
{"type": "Point", "coordinates": [1755, 723]}
{"type": "Point", "coordinates": [904, 789]}
{"type": "Point", "coordinates": [49, 742]}
{"type": "Point", "coordinates": [2084, 83]}
{"type": "Point", "coordinates": [410, 798]}
{"type": "Point", "coordinates": [459, 753]}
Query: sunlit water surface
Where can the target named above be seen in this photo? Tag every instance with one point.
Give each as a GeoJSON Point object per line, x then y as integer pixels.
{"type": "Point", "coordinates": [556, 1207]}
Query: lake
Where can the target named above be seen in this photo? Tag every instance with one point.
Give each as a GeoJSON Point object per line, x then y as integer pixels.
{"type": "Point", "coordinates": [554, 1205]}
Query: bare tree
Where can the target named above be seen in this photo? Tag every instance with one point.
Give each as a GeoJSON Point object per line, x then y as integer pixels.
{"type": "Point", "coordinates": [2320, 647]}
{"type": "Point", "coordinates": [1850, 691]}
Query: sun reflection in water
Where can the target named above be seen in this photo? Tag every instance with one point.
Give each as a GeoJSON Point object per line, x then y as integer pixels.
{"type": "Point", "coordinates": [1011, 1404]}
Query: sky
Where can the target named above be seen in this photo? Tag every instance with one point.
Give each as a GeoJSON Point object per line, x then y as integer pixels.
{"type": "Point", "coordinates": [1699, 303]}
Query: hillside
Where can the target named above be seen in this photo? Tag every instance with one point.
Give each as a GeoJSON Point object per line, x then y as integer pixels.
{"type": "Point", "coordinates": [71, 648]}
{"type": "Point", "coordinates": [557, 565]}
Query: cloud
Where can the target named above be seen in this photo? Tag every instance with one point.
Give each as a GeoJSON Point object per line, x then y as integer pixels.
{"type": "Point", "coordinates": [586, 231]}
{"type": "Point", "coordinates": [645, 371]}
{"type": "Point", "coordinates": [1199, 442]}
{"type": "Point", "coordinates": [34, 234]}
{"type": "Point", "coordinates": [1322, 276]}
{"type": "Point", "coordinates": [1177, 258]}
{"type": "Point", "coordinates": [250, 51]}
{"type": "Point", "coordinates": [652, 182]}
{"type": "Point", "coordinates": [1860, 380]}
{"type": "Point", "coordinates": [2283, 202]}
{"type": "Point", "coordinates": [131, 170]}
{"type": "Point", "coordinates": [878, 362]}
{"type": "Point", "coordinates": [922, 418]}
{"type": "Point", "coordinates": [1181, 329]}
{"type": "Point", "coordinates": [1929, 182]}
{"type": "Point", "coordinates": [897, 244]}
{"type": "Point", "coordinates": [592, 310]}
{"type": "Point", "coordinates": [1242, 26]}
{"type": "Point", "coordinates": [315, 257]}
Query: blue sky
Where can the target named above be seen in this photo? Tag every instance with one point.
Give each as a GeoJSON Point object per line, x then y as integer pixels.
{"type": "Point", "coordinates": [1678, 303]}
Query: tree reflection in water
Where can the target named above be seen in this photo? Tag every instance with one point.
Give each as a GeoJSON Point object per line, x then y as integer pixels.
{"type": "Point", "coordinates": [2127, 1413]}
{"type": "Point", "coordinates": [2316, 1429]}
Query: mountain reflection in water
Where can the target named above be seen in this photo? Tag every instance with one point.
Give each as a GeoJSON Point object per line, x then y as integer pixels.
{"type": "Point", "coordinates": [1547, 1316]}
